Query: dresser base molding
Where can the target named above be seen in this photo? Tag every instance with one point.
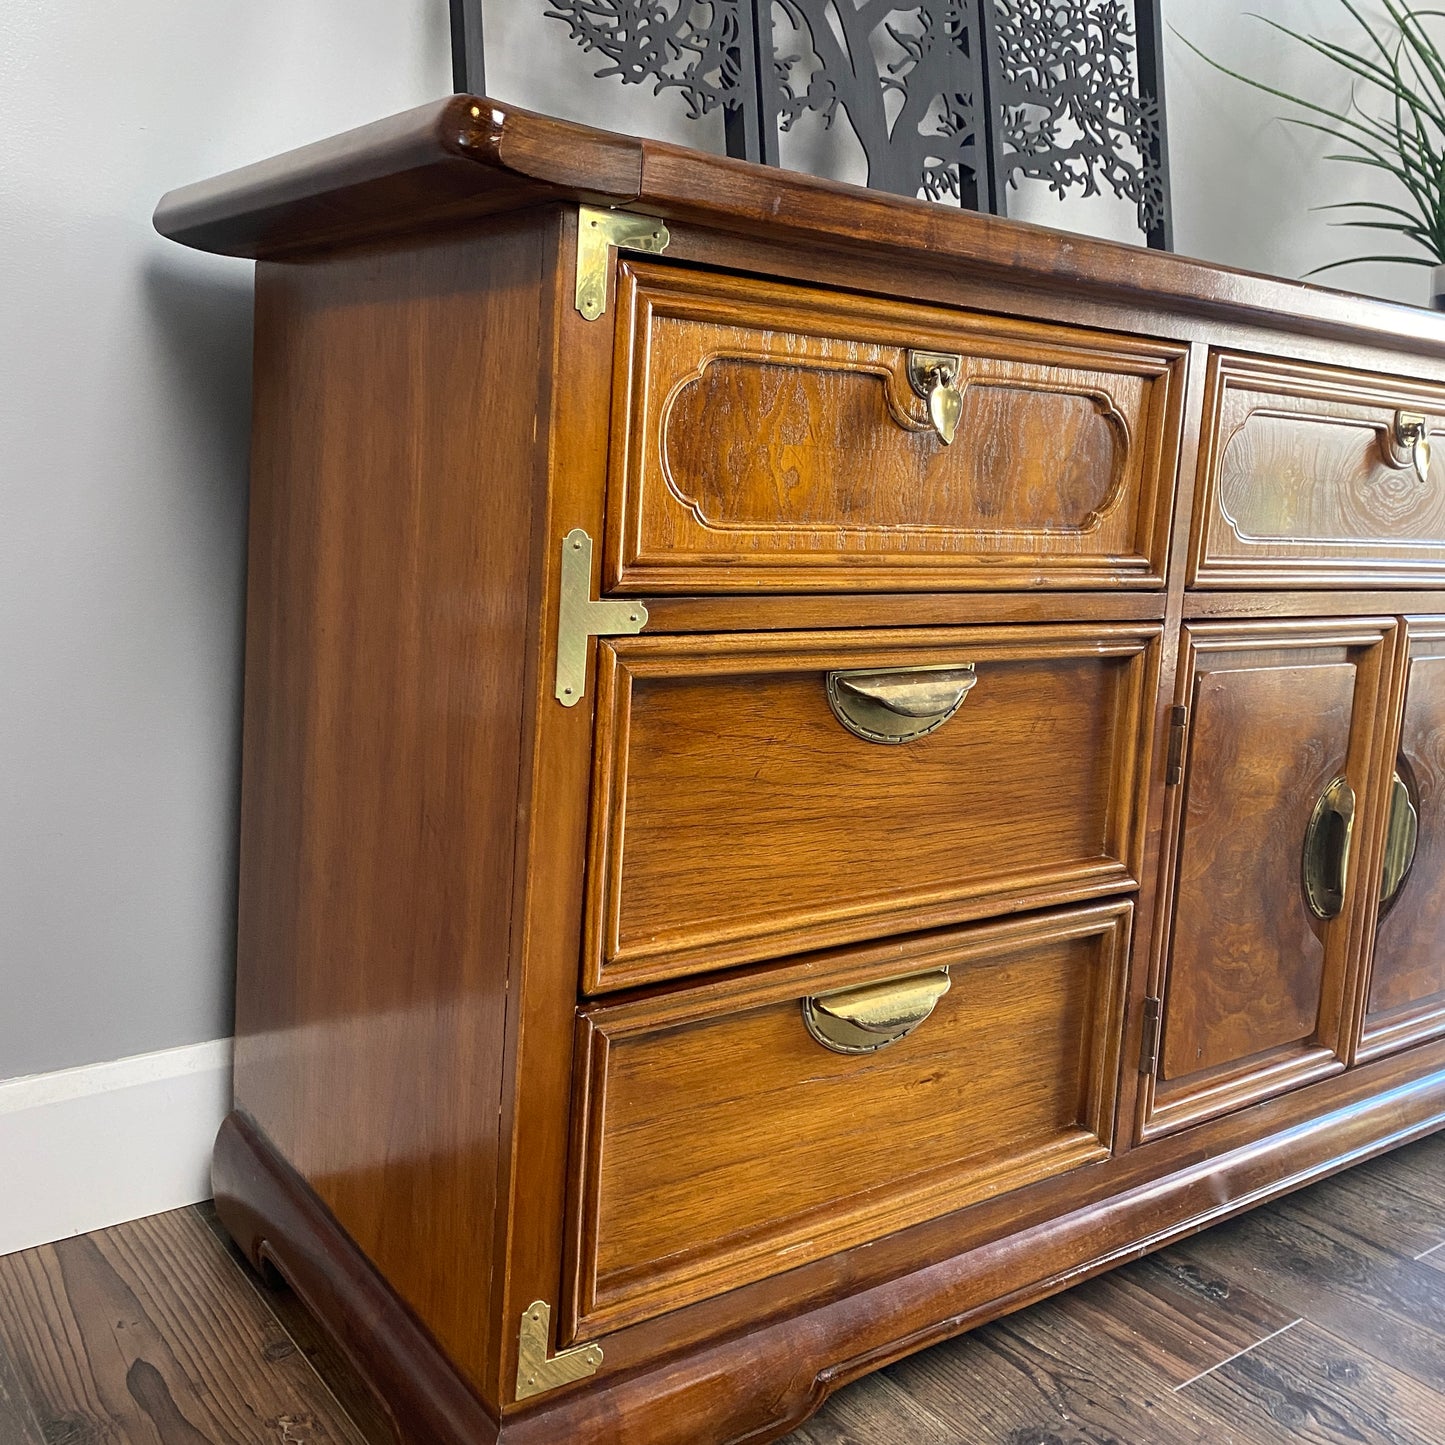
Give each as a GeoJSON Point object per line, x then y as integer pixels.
{"type": "Point", "coordinates": [758, 1386]}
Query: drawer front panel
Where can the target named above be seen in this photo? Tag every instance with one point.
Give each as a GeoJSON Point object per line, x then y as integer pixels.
{"type": "Point", "coordinates": [1305, 481]}
{"type": "Point", "coordinates": [735, 817]}
{"type": "Point", "coordinates": [721, 1143]}
{"type": "Point", "coordinates": [769, 436]}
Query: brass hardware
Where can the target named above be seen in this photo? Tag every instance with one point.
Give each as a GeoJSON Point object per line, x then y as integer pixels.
{"type": "Point", "coordinates": [1327, 849]}
{"type": "Point", "coordinates": [581, 617]}
{"type": "Point", "coordinates": [863, 1020]}
{"type": "Point", "coordinates": [899, 705]}
{"type": "Point", "coordinates": [1151, 1036]}
{"type": "Point", "coordinates": [1174, 766]}
{"type": "Point", "coordinates": [1408, 444]}
{"type": "Point", "coordinates": [538, 1371]}
{"type": "Point", "coordinates": [1400, 840]}
{"type": "Point", "coordinates": [934, 376]}
{"type": "Point", "coordinates": [597, 233]}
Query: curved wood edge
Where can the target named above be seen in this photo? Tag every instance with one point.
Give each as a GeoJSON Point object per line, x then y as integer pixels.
{"type": "Point", "coordinates": [277, 1221]}
{"type": "Point", "coordinates": [757, 1387]}
{"type": "Point", "coordinates": [465, 157]}
{"type": "Point", "coordinates": [454, 160]}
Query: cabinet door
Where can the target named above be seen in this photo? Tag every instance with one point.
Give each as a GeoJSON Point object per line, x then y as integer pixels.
{"type": "Point", "coordinates": [1268, 815]}
{"type": "Point", "coordinates": [1406, 996]}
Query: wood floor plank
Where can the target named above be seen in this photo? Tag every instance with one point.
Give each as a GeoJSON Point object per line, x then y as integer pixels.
{"type": "Point", "coordinates": [1391, 1308]}
{"type": "Point", "coordinates": [1374, 1208]}
{"type": "Point", "coordinates": [1178, 1319]}
{"type": "Point", "coordinates": [18, 1425]}
{"type": "Point", "coordinates": [1321, 1390]}
{"type": "Point", "coordinates": [138, 1335]}
{"type": "Point", "coordinates": [306, 1333]}
{"type": "Point", "coordinates": [873, 1411]}
{"type": "Point", "coordinates": [1418, 1168]}
{"type": "Point", "coordinates": [1042, 1378]}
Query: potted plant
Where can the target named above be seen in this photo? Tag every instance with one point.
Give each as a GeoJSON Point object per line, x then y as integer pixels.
{"type": "Point", "coordinates": [1402, 71]}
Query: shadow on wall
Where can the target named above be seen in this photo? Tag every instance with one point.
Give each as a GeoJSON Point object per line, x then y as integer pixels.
{"type": "Point", "coordinates": [202, 324]}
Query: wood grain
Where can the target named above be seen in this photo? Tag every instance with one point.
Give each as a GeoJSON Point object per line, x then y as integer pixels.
{"type": "Point", "coordinates": [768, 436]}
{"type": "Point", "coordinates": [716, 1126]}
{"type": "Point", "coordinates": [1254, 985]}
{"type": "Point", "coordinates": [1298, 485]}
{"type": "Point", "coordinates": [140, 1334]}
{"type": "Point", "coordinates": [719, 756]}
{"type": "Point", "coordinates": [384, 662]}
{"type": "Point", "coordinates": [1407, 979]}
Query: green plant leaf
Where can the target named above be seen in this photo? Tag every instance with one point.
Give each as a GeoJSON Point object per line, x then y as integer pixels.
{"type": "Point", "coordinates": [1370, 260]}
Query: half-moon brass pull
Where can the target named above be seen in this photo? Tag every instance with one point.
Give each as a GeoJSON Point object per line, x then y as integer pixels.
{"type": "Point", "coordinates": [934, 376]}
{"type": "Point", "coordinates": [1327, 849]}
{"type": "Point", "coordinates": [1408, 444]}
{"type": "Point", "coordinates": [1400, 840]}
{"type": "Point", "coordinates": [901, 704]}
{"type": "Point", "coordinates": [861, 1020]}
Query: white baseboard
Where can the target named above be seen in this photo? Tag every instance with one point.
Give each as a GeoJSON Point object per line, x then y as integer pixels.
{"type": "Point", "coordinates": [86, 1148]}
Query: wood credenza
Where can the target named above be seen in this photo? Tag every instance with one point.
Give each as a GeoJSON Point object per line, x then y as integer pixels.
{"type": "Point", "coordinates": [737, 885]}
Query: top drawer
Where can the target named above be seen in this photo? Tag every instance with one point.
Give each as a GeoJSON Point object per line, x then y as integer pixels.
{"type": "Point", "coordinates": [768, 437]}
{"type": "Point", "coordinates": [1308, 477]}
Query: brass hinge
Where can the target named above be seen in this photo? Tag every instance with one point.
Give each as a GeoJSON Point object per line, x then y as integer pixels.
{"type": "Point", "coordinates": [581, 617]}
{"type": "Point", "coordinates": [1174, 767]}
{"type": "Point", "coordinates": [597, 233]}
{"type": "Point", "coordinates": [1150, 1037]}
{"type": "Point", "coordinates": [537, 1371]}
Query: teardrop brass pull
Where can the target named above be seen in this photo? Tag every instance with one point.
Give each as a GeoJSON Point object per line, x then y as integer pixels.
{"type": "Point", "coordinates": [1408, 444]}
{"type": "Point", "coordinates": [899, 705]}
{"type": "Point", "coordinates": [934, 376]}
{"type": "Point", "coordinates": [1400, 840]}
{"type": "Point", "coordinates": [1327, 849]}
{"type": "Point", "coordinates": [863, 1020]}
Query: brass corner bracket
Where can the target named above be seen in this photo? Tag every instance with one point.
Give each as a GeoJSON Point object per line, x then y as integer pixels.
{"type": "Point", "coordinates": [581, 617]}
{"type": "Point", "coordinates": [537, 1371]}
{"type": "Point", "coordinates": [597, 233]}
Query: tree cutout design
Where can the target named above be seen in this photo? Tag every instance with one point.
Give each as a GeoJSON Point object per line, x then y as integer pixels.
{"type": "Point", "coordinates": [1073, 112]}
{"type": "Point", "coordinates": [690, 46]}
{"type": "Point", "coordinates": [950, 99]}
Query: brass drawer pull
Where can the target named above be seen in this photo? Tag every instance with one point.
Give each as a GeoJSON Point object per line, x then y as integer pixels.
{"type": "Point", "coordinates": [1408, 444]}
{"type": "Point", "coordinates": [1400, 840]}
{"type": "Point", "coordinates": [934, 376]}
{"type": "Point", "coordinates": [862, 1020]}
{"type": "Point", "coordinates": [899, 705]}
{"type": "Point", "coordinates": [1327, 849]}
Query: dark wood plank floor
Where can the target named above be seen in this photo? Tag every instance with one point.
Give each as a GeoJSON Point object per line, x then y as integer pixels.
{"type": "Point", "coordinates": [1319, 1319]}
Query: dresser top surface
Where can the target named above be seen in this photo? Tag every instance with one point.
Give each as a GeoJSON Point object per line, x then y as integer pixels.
{"type": "Point", "coordinates": [465, 157]}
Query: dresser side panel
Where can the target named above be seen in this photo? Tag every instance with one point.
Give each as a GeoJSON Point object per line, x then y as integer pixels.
{"type": "Point", "coordinates": [394, 469]}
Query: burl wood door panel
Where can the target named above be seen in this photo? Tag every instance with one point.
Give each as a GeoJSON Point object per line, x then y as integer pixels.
{"type": "Point", "coordinates": [1303, 481]}
{"type": "Point", "coordinates": [1254, 982]}
{"type": "Point", "coordinates": [767, 436]}
{"type": "Point", "coordinates": [719, 1142]}
{"type": "Point", "coordinates": [736, 818]}
{"type": "Point", "coordinates": [1406, 999]}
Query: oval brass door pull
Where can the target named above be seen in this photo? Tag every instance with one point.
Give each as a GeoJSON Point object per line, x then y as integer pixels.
{"type": "Point", "coordinates": [1400, 840]}
{"type": "Point", "coordinates": [901, 704]}
{"type": "Point", "coordinates": [1327, 849]}
{"type": "Point", "coordinates": [934, 376]}
{"type": "Point", "coordinates": [862, 1020]}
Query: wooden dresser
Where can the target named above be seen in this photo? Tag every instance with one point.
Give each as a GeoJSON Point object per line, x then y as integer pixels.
{"type": "Point", "coordinates": [816, 767]}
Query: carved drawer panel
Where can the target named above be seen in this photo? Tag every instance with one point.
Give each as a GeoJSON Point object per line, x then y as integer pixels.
{"type": "Point", "coordinates": [1314, 475]}
{"type": "Point", "coordinates": [747, 805]}
{"type": "Point", "coordinates": [769, 436]}
{"type": "Point", "coordinates": [722, 1137]}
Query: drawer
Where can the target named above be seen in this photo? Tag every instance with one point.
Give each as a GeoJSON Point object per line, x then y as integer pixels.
{"type": "Point", "coordinates": [736, 817]}
{"type": "Point", "coordinates": [1309, 476]}
{"type": "Point", "coordinates": [768, 436]}
{"type": "Point", "coordinates": [720, 1141]}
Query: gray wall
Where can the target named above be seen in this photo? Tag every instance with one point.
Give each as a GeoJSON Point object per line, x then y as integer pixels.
{"type": "Point", "coordinates": [123, 418]}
